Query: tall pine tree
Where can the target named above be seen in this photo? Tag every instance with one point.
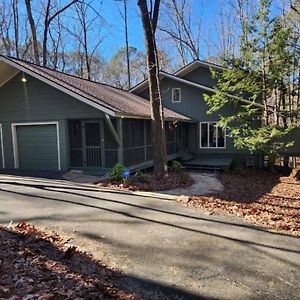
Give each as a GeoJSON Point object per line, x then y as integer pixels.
{"type": "Point", "coordinates": [267, 74]}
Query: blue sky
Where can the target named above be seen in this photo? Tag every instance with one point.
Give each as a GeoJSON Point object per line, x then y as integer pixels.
{"type": "Point", "coordinates": [115, 37]}
{"type": "Point", "coordinates": [110, 10]}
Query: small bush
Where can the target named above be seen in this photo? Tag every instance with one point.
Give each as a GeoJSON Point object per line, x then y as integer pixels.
{"type": "Point", "coordinates": [239, 169]}
{"type": "Point", "coordinates": [116, 173]}
{"type": "Point", "coordinates": [184, 177]}
{"type": "Point", "coordinates": [176, 166]}
{"type": "Point", "coordinates": [141, 177]}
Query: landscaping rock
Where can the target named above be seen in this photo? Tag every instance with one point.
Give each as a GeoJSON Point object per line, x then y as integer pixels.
{"type": "Point", "coordinates": [296, 173]}
{"type": "Point", "coordinates": [183, 199]}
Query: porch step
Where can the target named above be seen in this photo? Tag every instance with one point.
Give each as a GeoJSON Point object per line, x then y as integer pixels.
{"type": "Point", "coordinates": [212, 163]}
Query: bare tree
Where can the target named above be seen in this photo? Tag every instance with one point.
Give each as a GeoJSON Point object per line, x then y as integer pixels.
{"type": "Point", "coordinates": [47, 22]}
{"type": "Point", "coordinates": [33, 32]}
{"type": "Point", "coordinates": [50, 14]}
{"type": "Point", "coordinates": [149, 21]}
{"type": "Point", "coordinates": [181, 28]}
{"type": "Point", "coordinates": [15, 4]}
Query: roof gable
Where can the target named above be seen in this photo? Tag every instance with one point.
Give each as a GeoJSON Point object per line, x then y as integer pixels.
{"type": "Point", "coordinates": [110, 100]}
{"type": "Point", "coordinates": [194, 65]}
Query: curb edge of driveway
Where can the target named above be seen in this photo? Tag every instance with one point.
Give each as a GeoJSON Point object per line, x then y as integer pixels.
{"type": "Point", "coordinates": [141, 193]}
{"type": "Point", "coordinates": [162, 196]}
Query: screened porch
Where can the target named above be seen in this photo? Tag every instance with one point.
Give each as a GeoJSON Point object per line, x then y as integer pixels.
{"type": "Point", "coordinates": [100, 144]}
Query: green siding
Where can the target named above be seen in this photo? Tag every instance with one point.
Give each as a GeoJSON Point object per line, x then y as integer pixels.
{"type": "Point", "coordinates": [37, 147]}
{"type": "Point", "coordinates": [201, 75]}
{"type": "Point", "coordinates": [193, 105]}
{"type": "Point", "coordinates": [1, 161]}
{"type": "Point", "coordinates": [36, 101]}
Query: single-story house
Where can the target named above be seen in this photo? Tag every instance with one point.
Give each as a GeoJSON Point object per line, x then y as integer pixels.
{"type": "Point", "coordinates": [50, 120]}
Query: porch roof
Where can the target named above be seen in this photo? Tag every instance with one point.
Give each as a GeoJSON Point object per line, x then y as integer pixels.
{"type": "Point", "coordinates": [113, 101]}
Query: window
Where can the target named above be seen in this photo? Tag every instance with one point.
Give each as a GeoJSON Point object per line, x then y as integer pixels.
{"type": "Point", "coordinates": [176, 95]}
{"type": "Point", "coordinates": [212, 136]}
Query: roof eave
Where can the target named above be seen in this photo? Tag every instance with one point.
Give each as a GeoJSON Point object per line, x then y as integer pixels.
{"type": "Point", "coordinates": [148, 117]}
{"type": "Point", "coordinates": [57, 86]}
{"type": "Point", "coordinates": [197, 63]}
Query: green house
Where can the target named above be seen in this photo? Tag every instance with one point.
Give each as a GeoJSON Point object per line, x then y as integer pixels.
{"type": "Point", "coordinates": [51, 120]}
{"type": "Point", "coordinates": [54, 121]}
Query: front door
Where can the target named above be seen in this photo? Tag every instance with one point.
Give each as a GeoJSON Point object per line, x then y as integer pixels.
{"type": "Point", "coordinates": [93, 144]}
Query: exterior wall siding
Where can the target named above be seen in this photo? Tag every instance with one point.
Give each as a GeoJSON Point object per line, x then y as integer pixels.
{"type": "Point", "coordinates": [201, 75]}
{"type": "Point", "coordinates": [193, 105]}
{"type": "Point", "coordinates": [35, 101]}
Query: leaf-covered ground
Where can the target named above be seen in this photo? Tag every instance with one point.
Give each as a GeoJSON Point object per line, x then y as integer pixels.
{"type": "Point", "coordinates": [261, 198]}
{"type": "Point", "coordinates": [39, 265]}
{"type": "Point", "coordinates": [156, 183]}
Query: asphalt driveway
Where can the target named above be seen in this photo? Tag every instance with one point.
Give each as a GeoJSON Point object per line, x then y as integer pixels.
{"type": "Point", "coordinates": [164, 249]}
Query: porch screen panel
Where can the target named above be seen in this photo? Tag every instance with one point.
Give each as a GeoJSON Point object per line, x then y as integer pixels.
{"type": "Point", "coordinates": [134, 141]}
{"type": "Point", "coordinates": [111, 146]}
{"type": "Point", "coordinates": [93, 144]}
{"type": "Point", "coordinates": [149, 147]}
{"type": "Point", "coordinates": [75, 142]}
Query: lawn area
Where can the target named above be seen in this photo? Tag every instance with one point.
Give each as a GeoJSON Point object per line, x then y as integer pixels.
{"type": "Point", "coordinates": [261, 198]}
{"type": "Point", "coordinates": [39, 265]}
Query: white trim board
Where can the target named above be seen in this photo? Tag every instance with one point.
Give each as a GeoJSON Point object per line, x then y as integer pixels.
{"type": "Point", "coordinates": [2, 147]}
{"type": "Point", "coordinates": [57, 86]}
{"type": "Point", "coordinates": [15, 140]}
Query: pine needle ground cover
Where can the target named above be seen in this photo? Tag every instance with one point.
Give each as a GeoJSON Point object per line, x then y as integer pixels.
{"type": "Point", "coordinates": [261, 198]}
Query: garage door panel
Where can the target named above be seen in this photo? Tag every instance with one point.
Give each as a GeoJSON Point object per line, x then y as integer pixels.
{"type": "Point", "coordinates": [37, 147]}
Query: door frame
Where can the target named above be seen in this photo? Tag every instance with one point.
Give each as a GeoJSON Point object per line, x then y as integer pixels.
{"type": "Point", "coordinates": [15, 140]}
{"type": "Point", "coordinates": [83, 136]}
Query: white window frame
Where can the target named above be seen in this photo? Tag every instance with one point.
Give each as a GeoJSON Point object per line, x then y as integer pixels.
{"type": "Point", "coordinates": [2, 147]}
{"type": "Point", "coordinates": [173, 89]}
{"type": "Point", "coordinates": [208, 133]}
{"type": "Point", "coordinates": [15, 140]}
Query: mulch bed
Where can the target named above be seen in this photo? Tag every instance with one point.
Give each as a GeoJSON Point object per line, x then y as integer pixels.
{"type": "Point", "coordinates": [39, 265]}
{"type": "Point", "coordinates": [157, 183]}
{"type": "Point", "coordinates": [260, 197]}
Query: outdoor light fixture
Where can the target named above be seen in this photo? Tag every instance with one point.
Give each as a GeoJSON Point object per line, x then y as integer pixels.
{"type": "Point", "coordinates": [23, 78]}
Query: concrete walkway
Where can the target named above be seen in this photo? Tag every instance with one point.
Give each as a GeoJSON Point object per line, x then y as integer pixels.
{"type": "Point", "coordinates": [205, 183]}
{"type": "Point", "coordinates": [165, 250]}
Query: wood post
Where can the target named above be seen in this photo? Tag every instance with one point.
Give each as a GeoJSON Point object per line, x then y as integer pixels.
{"type": "Point", "coordinates": [120, 146]}
{"type": "Point", "coordinates": [117, 134]}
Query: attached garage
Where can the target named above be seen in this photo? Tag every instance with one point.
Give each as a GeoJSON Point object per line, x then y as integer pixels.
{"type": "Point", "coordinates": [36, 146]}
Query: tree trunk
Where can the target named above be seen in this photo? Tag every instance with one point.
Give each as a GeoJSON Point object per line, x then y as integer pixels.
{"type": "Point", "coordinates": [33, 32]}
{"type": "Point", "coordinates": [149, 21]}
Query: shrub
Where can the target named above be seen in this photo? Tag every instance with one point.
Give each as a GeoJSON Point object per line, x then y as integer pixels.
{"type": "Point", "coordinates": [176, 166]}
{"type": "Point", "coordinates": [141, 177]}
{"type": "Point", "coordinates": [116, 173]}
{"type": "Point", "coordinates": [184, 177]}
{"type": "Point", "coordinates": [239, 169]}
